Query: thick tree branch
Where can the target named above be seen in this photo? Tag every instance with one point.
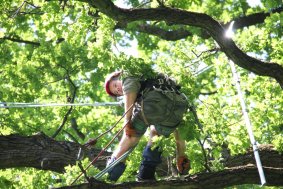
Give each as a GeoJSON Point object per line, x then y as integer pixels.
{"type": "Point", "coordinates": [239, 23]}
{"type": "Point", "coordinates": [21, 41]}
{"type": "Point", "coordinates": [252, 19]}
{"type": "Point", "coordinates": [42, 152]}
{"type": "Point", "coordinates": [243, 173]}
{"type": "Point", "coordinates": [228, 177]}
{"type": "Point", "coordinates": [201, 20]}
{"type": "Point", "coordinates": [173, 35]}
{"type": "Point", "coordinates": [18, 40]}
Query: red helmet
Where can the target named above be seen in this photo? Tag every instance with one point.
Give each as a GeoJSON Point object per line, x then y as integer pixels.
{"type": "Point", "coordinates": [108, 79]}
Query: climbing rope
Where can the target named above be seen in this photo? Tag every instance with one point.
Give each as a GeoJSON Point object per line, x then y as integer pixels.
{"type": "Point", "coordinates": [104, 149]}
{"type": "Point", "coordinates": [33, 105]}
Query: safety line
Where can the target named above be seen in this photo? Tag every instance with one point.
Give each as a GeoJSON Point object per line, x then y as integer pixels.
{"type": "Point", "coordinates": [248, 123]}
{"type": "Point", "coordinates": [34, 105]}
{"type": "Point", "coordinates": [107, 145]}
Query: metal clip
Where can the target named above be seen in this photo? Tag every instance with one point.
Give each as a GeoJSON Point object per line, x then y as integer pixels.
{"type": "Point", "coordinates": [160, 81]}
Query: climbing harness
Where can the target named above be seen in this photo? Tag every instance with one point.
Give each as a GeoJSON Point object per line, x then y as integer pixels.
{"type": "Point", "coordinates": [33, 105]}
{"type": "Point", "coordinates": [162, 83]}
{"type": "Point", "coordinates": [111, 141]}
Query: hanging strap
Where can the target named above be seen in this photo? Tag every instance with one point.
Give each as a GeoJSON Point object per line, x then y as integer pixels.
{"type": "Point", "coordinates": [143, 115]}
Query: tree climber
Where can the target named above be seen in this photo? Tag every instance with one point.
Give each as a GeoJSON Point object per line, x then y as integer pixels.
{"type": "Point", "coordinates": [159, 105]}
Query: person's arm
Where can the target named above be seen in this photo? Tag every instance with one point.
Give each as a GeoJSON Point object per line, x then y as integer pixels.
{"type": "Point", "coordinates": [183, 163]}
{"type": "Point", "coordinates": [180, 143]}
{"type": "Point", "coordinates": [127, 141]}
{"type": "Point", "coordinates": [130, 99]}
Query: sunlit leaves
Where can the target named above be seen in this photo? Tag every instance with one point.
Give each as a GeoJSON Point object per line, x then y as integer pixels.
{"type": "Point", "coordinates": [59, 45]}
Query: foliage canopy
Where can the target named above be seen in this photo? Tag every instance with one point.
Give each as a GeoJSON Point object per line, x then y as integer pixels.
{"type": "Point", "coordinates": [60, 51]}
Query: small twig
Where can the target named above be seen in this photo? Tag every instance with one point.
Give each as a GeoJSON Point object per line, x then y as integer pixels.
{"type": "Point", "coordinates": [208, 93]}
{"type": "Point", "coordinates": [216, 49]}
{"type": "Point", "coordinates": [32, 5]}
{"type": "Point", "coordinates": [18, 10]}
{"type": "Point", "coordinates": [21, 41]}
{"type": "Point", "coordinates": [204, 154]}
{"type": "Point", "coordinates": [70, 110]}
{"type": "Point", "coordinates": [74, 126]}
{"type": "Point", "coordinates": [84, 172]}
{"type": "Point", "coordinates": [71, 136]}
{"type": "Point", "coordinates": [141, 5]}
{"type": "Point", "coordinates": [193, 110]}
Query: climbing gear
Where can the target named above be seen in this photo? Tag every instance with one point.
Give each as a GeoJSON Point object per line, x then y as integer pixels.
{"type": "Point", "coordinates": [111, 141]}
{"type": "Point", "coordinates": [162, 83]}
{"type": "Point", "coordinates": [108, 79]}
{"type": "Point", "coordinates": [159, 103]}
{"type": "Point", "coordinates": [92, 142]}
{"type": "Point", "coordinates": [100, 153]}
{"type": "Point", "coordinates": [33, 105]}
{"type": "Point", "coordinates": [183, 165]}
{"type": "Point", "coordinates": [245, 113]}
{"type": "Point", "coordinates": [165, 111]}
{"type": "Point", "coordinates": [151, 158]}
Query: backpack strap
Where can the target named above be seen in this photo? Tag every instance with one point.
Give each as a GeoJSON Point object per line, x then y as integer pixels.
{"type": "Point", "coordinates": [162, 83]}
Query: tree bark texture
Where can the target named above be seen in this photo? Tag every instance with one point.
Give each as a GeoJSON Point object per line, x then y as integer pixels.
{"type": "Point", "coordinates": [239, 170]}
{"type": "Point", "coordinates": [229, 177]}
{"type": "Point", "coordinates": [42, 152]}
{"type": "Point", "coordinates": [201, 20]}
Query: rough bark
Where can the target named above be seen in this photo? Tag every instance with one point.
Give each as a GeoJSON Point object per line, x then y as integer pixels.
{"type": "Point", "coordinates": [204, 21]}
{"type": "Point", "coordinates": [229, 177]}
{"type": "Point", "coordinates": [242, 170]}
{"type": "Point", "coordinates": [183, 32]}
{"type": "Point", "coordinates": [42, 152]}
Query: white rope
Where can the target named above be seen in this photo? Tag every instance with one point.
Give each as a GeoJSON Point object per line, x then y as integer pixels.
{"type": "Point", "coordinates": [230, 34]}
{"type": "Point", "coordinates": [248, 124]}
{"type": "Point", "coordinates": [34, 105]}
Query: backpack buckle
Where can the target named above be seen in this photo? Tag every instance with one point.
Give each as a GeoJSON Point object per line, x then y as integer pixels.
{"type": "Point", "coordinates": [160, 81]}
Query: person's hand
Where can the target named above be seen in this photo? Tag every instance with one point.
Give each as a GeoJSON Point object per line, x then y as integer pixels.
{"type": "Point", "coordinates": [129, 129]}
{"type": "Point", "coordinates": [183, 165]}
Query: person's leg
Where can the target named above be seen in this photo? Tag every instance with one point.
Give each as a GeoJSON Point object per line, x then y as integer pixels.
{"type": "Point", "coordinates": [151, 158]}
{"type": "Point", "coordinates": [125, 144]}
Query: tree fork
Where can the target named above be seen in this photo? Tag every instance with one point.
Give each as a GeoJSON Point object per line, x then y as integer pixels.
{"type": "Point", "coordinates": [201, 20]}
